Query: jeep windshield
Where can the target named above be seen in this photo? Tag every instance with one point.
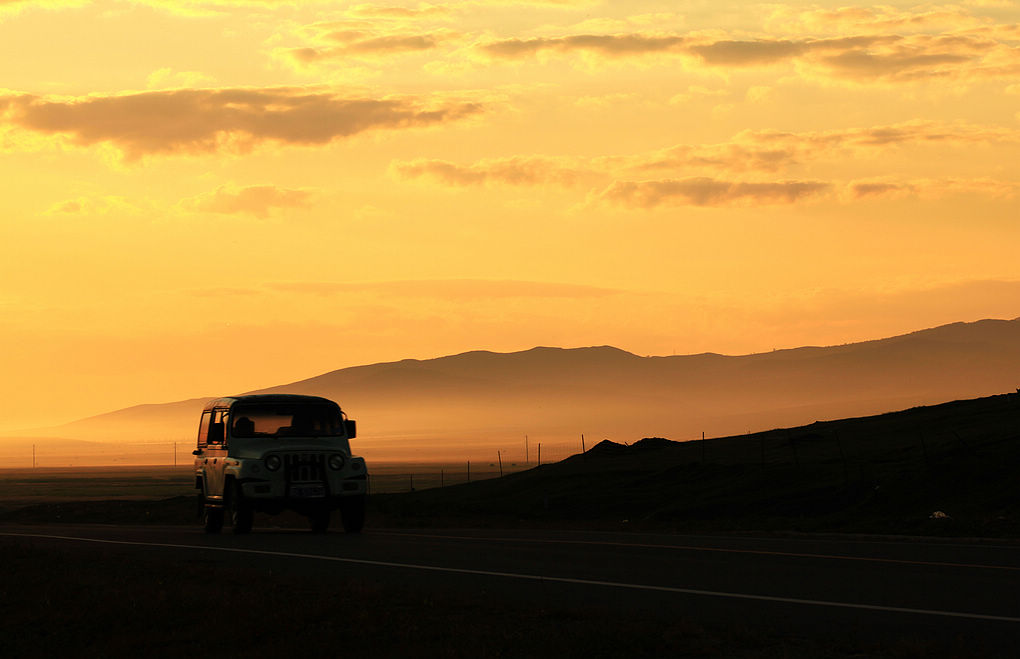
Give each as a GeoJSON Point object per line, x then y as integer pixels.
{"type": "Point", "coordinates": [286, 420]}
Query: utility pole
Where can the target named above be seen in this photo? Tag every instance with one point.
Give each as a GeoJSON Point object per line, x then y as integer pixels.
{"type": "Point", "coordinates": [500, 459]}
{"type": "Point", "coordinates": [540, 454]}
{"type": "Point", "coordinates": [526, 455]}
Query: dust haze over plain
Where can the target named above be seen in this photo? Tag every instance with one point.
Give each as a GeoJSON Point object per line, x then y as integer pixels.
{"type": "Point", "coordinates": [472, 404]}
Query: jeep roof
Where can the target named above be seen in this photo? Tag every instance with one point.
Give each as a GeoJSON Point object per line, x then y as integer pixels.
{"type": "Point", "coordinates": [266, 399]}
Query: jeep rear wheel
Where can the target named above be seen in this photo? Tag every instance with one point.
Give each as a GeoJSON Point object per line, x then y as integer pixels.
{"type": "Point", "coordinates": [242, 514]}
{"type": "Point", "coordinates": [352, 513]}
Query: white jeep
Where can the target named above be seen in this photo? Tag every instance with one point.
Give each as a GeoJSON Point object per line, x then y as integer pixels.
{"type": "Point", "coordinates": [276, 452]}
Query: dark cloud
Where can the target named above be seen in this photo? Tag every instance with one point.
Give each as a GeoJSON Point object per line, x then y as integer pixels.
{"type": "Point", "coordinates": [705, 191]}
{"type": "Point", "coordinates": [206, 120]}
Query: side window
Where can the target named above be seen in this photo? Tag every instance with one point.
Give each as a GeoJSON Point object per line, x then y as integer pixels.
{"type": "Point", "coordinates": [203, 428]}
{"type": "Point", "coordinates": [217, 429]}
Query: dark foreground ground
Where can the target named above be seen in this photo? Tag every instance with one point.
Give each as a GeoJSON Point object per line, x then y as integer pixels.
{"type": "Point", "coordinates": [172, 591]}
{"type": "Point", "coordinates": [916, 478]}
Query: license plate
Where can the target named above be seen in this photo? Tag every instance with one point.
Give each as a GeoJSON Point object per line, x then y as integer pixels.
{"type": "Point", "coordinates": [307, 491]}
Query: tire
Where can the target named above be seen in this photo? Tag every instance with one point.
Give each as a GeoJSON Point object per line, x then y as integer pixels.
{"type": "Point", "coordinates": [352, 513]}
{"type": "Point", "coordinates": [242, 514]}
{"type": "Point", "coordinates": [319, 520]}
{"type": "Point", "coordinates": [212, 519]}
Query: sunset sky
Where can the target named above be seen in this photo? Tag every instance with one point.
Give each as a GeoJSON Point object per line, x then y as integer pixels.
{"type": "Point", "coordinates": [202, 198]}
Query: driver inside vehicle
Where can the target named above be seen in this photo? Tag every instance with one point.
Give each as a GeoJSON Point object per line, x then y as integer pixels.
{"type": "Point", "coordinates": [244, 427]}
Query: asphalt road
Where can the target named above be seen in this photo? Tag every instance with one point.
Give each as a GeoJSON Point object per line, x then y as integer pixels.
{"type": "Point", "coordinates": [804, 584]}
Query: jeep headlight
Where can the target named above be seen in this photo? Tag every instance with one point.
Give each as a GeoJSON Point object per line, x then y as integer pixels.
{"type": "Point", "coordinates": [336, 462]}
{"type": "Point", "coordinates": [273, 462]}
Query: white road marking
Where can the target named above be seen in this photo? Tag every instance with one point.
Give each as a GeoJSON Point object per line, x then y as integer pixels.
{"type": "Point", "coordinates": [535, 577]}
{"type": "Point", "coordinates": [724, 550]}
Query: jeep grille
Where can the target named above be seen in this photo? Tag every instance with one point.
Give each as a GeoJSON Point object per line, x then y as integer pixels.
{"type": "Point", "coordinates": [304, 467]}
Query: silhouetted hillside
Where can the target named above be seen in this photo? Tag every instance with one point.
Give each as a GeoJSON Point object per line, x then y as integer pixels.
{"type": "Point", "coordinates": [552, 394]}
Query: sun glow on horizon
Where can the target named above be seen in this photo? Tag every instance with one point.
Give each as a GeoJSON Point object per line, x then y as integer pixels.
{"type": "Point", "coordinates": [213, 196]}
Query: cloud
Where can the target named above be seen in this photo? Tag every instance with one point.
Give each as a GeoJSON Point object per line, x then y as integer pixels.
{"type": "Point", "coordinates": [605, 44]}
{"type": "Point", "coordinates": [101, 205]}
{"type": "Point", "coordinates": [451, 288]}
{"type": "Point", "coordinates": [257, 200]}
{"type": "Point", "coordinates": [861, 58]}
{"type": "Point", "coordinates": [764, 151]}
{"type": "Point", "coordinates": [748, 53]}
{"type": "Point", "coordinates": [455, 289]}
{"type": "Point", "coordinates": [516, 170]}
{"type": "Point", "coordinates": [929, 188]}
{"type": "Point", "coordinates": [14, 6]}
{"type": "Point", "coordinates": [72, 206]}
{"type": "Point", "coordinates": [771, 150]}
{"type": "Point", "coordinates": [398, 13]}
{"type": "Point", "coordinates": [879, 189]}
{"type": "Point", "coordinates": [705, 191]}
{"type": "Point", "coordinates": [840, 20]}
{"type": "Point", "coordinates": [167, 77]}
{"type": "Point", "coordinates": [982, 52]}
{"type": "Point", "coordinates": [696, 174]}
{"type": "Point", "coordinates": [362, 44]}
{"type": "Point", "coordinates": [195, 121]}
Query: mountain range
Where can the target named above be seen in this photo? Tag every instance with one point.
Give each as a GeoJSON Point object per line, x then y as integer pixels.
{"type": "Point", "coordinates": [428, 409]}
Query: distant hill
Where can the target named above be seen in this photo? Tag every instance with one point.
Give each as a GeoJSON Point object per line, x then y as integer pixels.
{"type": "Point", "coordinates": [441, 406]}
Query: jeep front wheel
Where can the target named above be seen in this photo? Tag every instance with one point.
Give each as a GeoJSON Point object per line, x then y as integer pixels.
{"type": "Point", "coordinates": [242, 514]}
{"type": "Point", "coordinates": [212, 519]}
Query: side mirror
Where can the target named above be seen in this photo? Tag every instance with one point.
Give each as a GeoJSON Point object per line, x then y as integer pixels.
{"type": "Point", "coordinates": [216, 433]}
{"type": "Point", "coordinates": [197, 451]}
{"type": "Point", "coordinates": [351, 428]}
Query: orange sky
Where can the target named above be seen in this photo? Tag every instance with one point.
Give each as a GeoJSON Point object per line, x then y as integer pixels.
{"type": "Point", "coordinates": [203, 198]}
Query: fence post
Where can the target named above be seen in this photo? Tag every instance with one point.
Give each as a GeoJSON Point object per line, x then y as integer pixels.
{"type": "Point", "coordinates": [842, 456]}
